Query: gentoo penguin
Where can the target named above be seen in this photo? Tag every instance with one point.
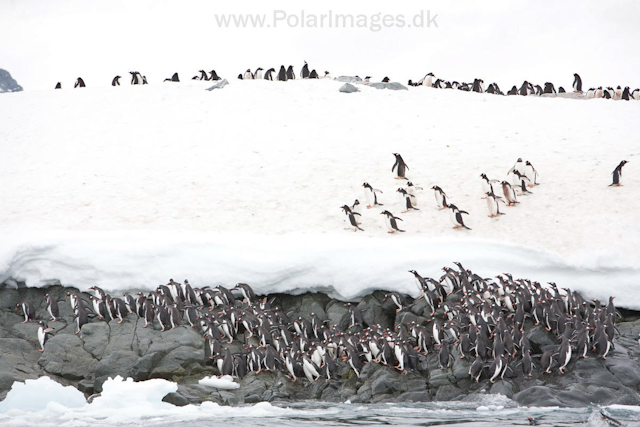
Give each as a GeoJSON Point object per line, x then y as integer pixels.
{"type": "Point", "coordinates": [310, 369]}
{"type": "Point", "coordinates": [391, 221]}
{"type": "Point", "coordinates": [304, 73]}
{"type": "Point", "coordinates": [173, 78]}
{"type": "Point", "coordinates": [519, 166]}
{"type": "Point", "coordinates": [367, 79]}
{"type": "Point", "coordinates": [327, 75]}
{"type": "Point", "coordinates": [258, 74]}
{"type": "Point", "coordinates": [565, 354]}
{"type": "Point", "coordinates": [477, 86]}
{"type": "Point", "coordinates": [531, 173]}
{"type": "Point", "coordinates": [214, 75]}
{"type": "Point", "coordinates": [475, 370]}
{"type": "Point", "coordinates": [313, 75]}
{"type": "Point", "coordinates": [509, 193]}
{"type": "Point", "coordinates": [539, 90]}
{"type": "Point", "coordinates": [268, 75]}
{"type": "Point", "coordinates": [546, 361]}
{"type": "Point", "coordinates": [356, 208]}
{"type": "Point", "coordinates": [487, 184]}
{"type": "Point", "coordinates": [599, 92]}
{"type": "Point", "coordinates": [427, 80]}
{"type": "Point", "coordinates": [636, 94]}
{"type": "Point", "coordinates": [58, 85]}
{"type": "Point", "coordinates": [513, 91]}
{"type": "Point", "coordinates": [240, 77]}
{"type": "Point", "coordinates": [401, 167]}
{"type": "Point", "coordinates": [397, 299]}
{"type": "Point", "coordinates": [370, 195]}
{"type": "Point", "coordinates": [577, 83]}
{"type": "Point", "coordinates": [618, 94]}
{"type": "Point", "coordinates": [625, 94]}
{"type": "Point", "coordinates": [28, 310]}
{"type": "Point", "coordinates": [591, 93]}
{"type": "Point", "coordinates": [79, 83]}
{"type": "Point", "coordinates": [456, 217]}
{"type": "Point", "coordinates": [290, 74]}
{"type": "Point", "coordinates": [203, 75]}
{"type": "Point", "coordinates": [43, 334]}
{"type": "Point", "coordinates": [115, 81]}
{"type": "Point", "coordinates": [521, 181]}
{"type": "Point", "coordinates": [617, 174]}
{"type": "Point", "coordinates": [247, 75]}
{"type": "Point", "coordinates": [52, 306]}
{"type": "Point", "coordinates": [524, 89]}
{"type": "Point", "coordinates": [144, 80]}
{"type": "Point", "coordinates": [351, 219]}
{"type": "Point", "coordinates": [134, 78]}
{"type": "Point", "coordinates": [282, 74]}
{"type": "Point", "coordinates": [492, 204]}
{"type": "Point", "coordinates": [441, 197]}
{"type": "Point", "coordinates": [386, 80]}
{"type": "Point", "coordinates": [548, 88]}
{"type": "Point", "coordinates": [561, 90]}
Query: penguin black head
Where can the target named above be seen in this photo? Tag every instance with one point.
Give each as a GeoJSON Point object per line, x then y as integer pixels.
{"type": "Point", "coordinates": [435, 187]}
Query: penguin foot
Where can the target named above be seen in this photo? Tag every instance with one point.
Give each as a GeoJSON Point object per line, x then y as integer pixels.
{"type": "Point", "coordinates": [389, 232]}
{"type": "Point", "coordinates": [369, 207]}
{"type": "Point", "coordinates": [40, 350]}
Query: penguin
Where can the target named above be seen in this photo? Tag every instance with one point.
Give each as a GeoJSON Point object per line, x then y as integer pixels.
{"type": "Point", "coordinates": [304, 73]}
{"type": "Point", "coordinates": [548, 88]}
{"type": "Point", "coordinates": [625, 94]}
{"type": "Point", "coordinates": [356, 208]}
{"type": "Point", "coordinates": [367, 79]}
{"type": "Point", "coordinates": [115, 81]}
{"type": "Point", "coordinates": [531, 173]}
{"type": "Point", "coordinates": [598, 92]}
{"type": "Point", "coordinates": [81, 318]}
{"type": "Point", "coordinates": [456, 217]}
{"type": "Point", "coordinates": [475, 370]}
{"type": "Point", "coordinates": [370, 195]}
{"type": "Point", "coordinates": [134, 78]}
{"type": "Point", "coordinates": [43, 334]}
{"type": "Point", "coordinates": [509, 193]}
{"type": "Point", "coordinates": [577, 83]}
{"type": "Point", "coordinates": [247, 75]}
{"type": "Point", "coordinates": [444, 356]}
{"type": "Point", "coordinates": [52, 307]}
{"type": "Point", "coordinates": [268, 75]}
{"type": "Point", "coordinates": [487, 184]}
{"type": "Point", "coordinates": [386, 80]}
{"type": "Point", "coordinates": [313, 75]}
{"type": "Point", "coordinates": [310, 369]}
{"type": "Point", "coordinates": [519, 166]}
{"type": "Point", "coordinates": [477, 86]}
{"type": "Point", "coordinates": [258, 74]}
{"type": "Point", "coordinates": [411, 189]}
{"type": "Point", "coordinates": [247, 292]}
{"type": "Point", "coordinates": [173, 78]}
{"type": "Point", "coordinates": [398, 300]}
{"type": "Point", "coordinates": [602, 344]}
{"type": "Point", "coordinates": [214, 76]}
{"type": "Point", "coordinates": [527, 363]}
{"type": "Point", "coordinates": [290, 74]}
{"type": "Point", "coordinates": [618, 94]}
{"type": "Point", "coordinates": [492, 204]}
{"type": "Point", "coordinates": [606, 94]}
{"type": "Point", "coordinates": [391, 222]}
{"type": "Point", "coordinates": [240, 77]}
{"type": "Point", "coordinates": [28, 310]}
{"type": "Point", "coordinates": [400, 165]}
{"type": "Point", "coordinates": [327, 75]}
{"type": "Point", "coordinates": [636, 94]}
{"type": "Point", "coordinates": [351, 218]}
{"type": "Point", "coordinates": [513, 91]}
{"type": "Point", "coordinates": [546, 361]}
{"type": "Point", "coordinates": [144, 80]}
{"type": "Point", "coordinates": [565, 354]}
{"type": "Point", "coordinates": [617, 174]}
{"type": "Point", "coordinates": [441, 197]}
{"type": "Point", "coordinates": [203, 76]}
{"type": "Point", "coordinates": [561, 90]}
{"type": "Point", "coordinates": [538, 90]}
{"type": "Point", "coordinates": [407, 200]}
{"type": "Point", "coordinates": [427, 80]}
{"type": "Point", "coordinates": [282, 74]}
{"type": "Point", "coordinates": [524, 89]}
{"type": "Point", "coordinates": [79, 83]}
{"type": "Point", "coordinates": [496, 368]}
{"type": "Point", "coordinates": [58, 85]}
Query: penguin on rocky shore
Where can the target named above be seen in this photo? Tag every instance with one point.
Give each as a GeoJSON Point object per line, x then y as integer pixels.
{"type": "Point", "coordinates": [43, 334]}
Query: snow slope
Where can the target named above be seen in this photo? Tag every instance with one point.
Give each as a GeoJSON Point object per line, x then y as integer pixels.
{"type": "Point", "coordinates": [129, 186]}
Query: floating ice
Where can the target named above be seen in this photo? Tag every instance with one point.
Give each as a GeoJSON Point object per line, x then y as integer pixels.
{"type": "Point", "coordinates": [224, 382]}
{"type": "Point", "coordinates": [43, 393]}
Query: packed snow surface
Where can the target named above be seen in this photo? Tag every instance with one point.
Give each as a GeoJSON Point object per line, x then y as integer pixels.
{"type": "Point", "coordinates": [127, 187]}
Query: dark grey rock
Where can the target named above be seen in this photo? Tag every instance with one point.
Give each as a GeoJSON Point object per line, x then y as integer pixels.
{"type": "Point", "coordinates": [66, 357]}
{"type": "Point", "coordinates": [176, 399]}
{"type": "Point", "coordinates": [7, 83]}
{"type": "Point", "coordinates": [337, 314]}
{"type": "Point", "coordinates": [537, 396]}
{"type": "Point", "coordinates": [502, 387]}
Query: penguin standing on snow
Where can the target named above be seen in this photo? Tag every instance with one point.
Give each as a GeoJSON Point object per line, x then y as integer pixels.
{"type": "Point", "coordinates": [247, 75]}
{"type": "Point", "coordinates": [509, 193]}
{"type": "Point", "coordinates": [487, 184]}
{"type": "Point", "coordinates": [43, 334]}
{"type": "Point", "coordinates": [617, 174]}
{"type": "Point", "coordinates": [115, 81]}
{"type": "Point", "coordinates": [411, 189]}
{"type": "Point", "coordinates": [401, 167]}
{"type": "Point", "coordinates": [577, 83]}
{"type": "Point", "coordinates": [456, 217]}
{"type": "Point", "coordinates": [59, 85]}
{"type": "Point", "coordinates": [314, 75]}
{"type": "Point", "coordinates": [282, 74]}
{"type": "Point", "coordinates": [356, 208]}
{"type": "Point", "coordinates": [258, 74]}
{"type": "Point", "coordinates": [370, 195]}
{"type": "Point", "coordinates": [391, 221]}
{"type": "Point", "coordinates": [79, 83]}
{"type": "Point", "coordinates": [531, 173]}
{"type": "Point", "coordinates": [351, 218]}
{"type": "Point", "coordinates": [304, 73]}
{"type": "Point", "coordinates": [290, 74]}
{"type": "Point", "coordinates": [441, 197]}
{"type": "Point", "coordinates": [173, 78]}
{"type": "Point", "coordinates": [407, 200]}
{"type": "Point", "coordinates": [492, 204]}
{"type": "Point", "coordinates": [214, 76]}
{"type": "Point", "coordinates": [268, 75]}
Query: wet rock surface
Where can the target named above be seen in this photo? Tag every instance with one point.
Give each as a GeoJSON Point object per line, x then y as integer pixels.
{"type": "Point", "coordinates": [102, 350]}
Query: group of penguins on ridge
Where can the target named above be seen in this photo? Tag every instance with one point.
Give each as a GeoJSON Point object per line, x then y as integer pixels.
{"type": "Point", "coordinates": [473, 318]}
{"type": "Point", "coordinates": [527, 88]}
{"type": "Point", "coordinates": [522, 175]}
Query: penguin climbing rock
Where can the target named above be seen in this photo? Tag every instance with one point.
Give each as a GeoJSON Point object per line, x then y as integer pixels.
{"type": "Point", "coordinates": [28, 310]}
{"type": "Point", "coordinates": [351, 219]}
{"type": "Point", "coordinates": [399, 166]}
{"type": "Point", "coordinates": [456, 217]}
{"type": "Point", "coordinates": [370, 195]}
{"type": "Point", "coordinates": [391, 222]}
{"type": "Point", "coordinates": [79, 83]}
{"type": "Point", "coordinates": [408, 203]}
{"type": "Point", "coordinates": [617, 174]}
{"type": "Point", "coordinates": [52, 306]}
{"type": "Point", "coordinates": [577, 83]}
{"type": "Point", "coordinates": [43, 334]}
{"type": "Point", "coordinates": [441, 197]}
{"type": "Point", "coordinates": [116, 81]}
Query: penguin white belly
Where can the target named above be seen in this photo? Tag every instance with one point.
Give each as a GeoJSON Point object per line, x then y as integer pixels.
{"type": "Point", "coordinates": [387, 220]}
{"type": "Point", "coordinates": [258, 75]}
{"type": "Point", "coordinates": [428, 81]}
{"type": "Point", "coordinates": [486, 187]}
{"type": "Point", "coordinates": [368, 194]}
{"type": "Point", "coordinates": [42, 335]}
{"type": "Point", "coordinates": [452, 215]}
{"type": "Point", "coordinates": [492, 204]}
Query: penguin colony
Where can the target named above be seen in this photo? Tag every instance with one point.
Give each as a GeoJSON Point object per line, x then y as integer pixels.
{"type": "Point", "coordinates": [528, 88]}
{"type": "Point", "coordinates": [429, 80]}
{"type": "Point", "coordinates": [522, 175]}
{"type": "Point", "coordinates": [470, 317]}
{"type": "Point", "coordinates": [519, 179]}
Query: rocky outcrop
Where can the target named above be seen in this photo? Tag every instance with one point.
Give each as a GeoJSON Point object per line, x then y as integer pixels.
{"type": "Point", "coordinates": [103, 350]}
{"type": "Point", "coordinates": [7, 83]}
